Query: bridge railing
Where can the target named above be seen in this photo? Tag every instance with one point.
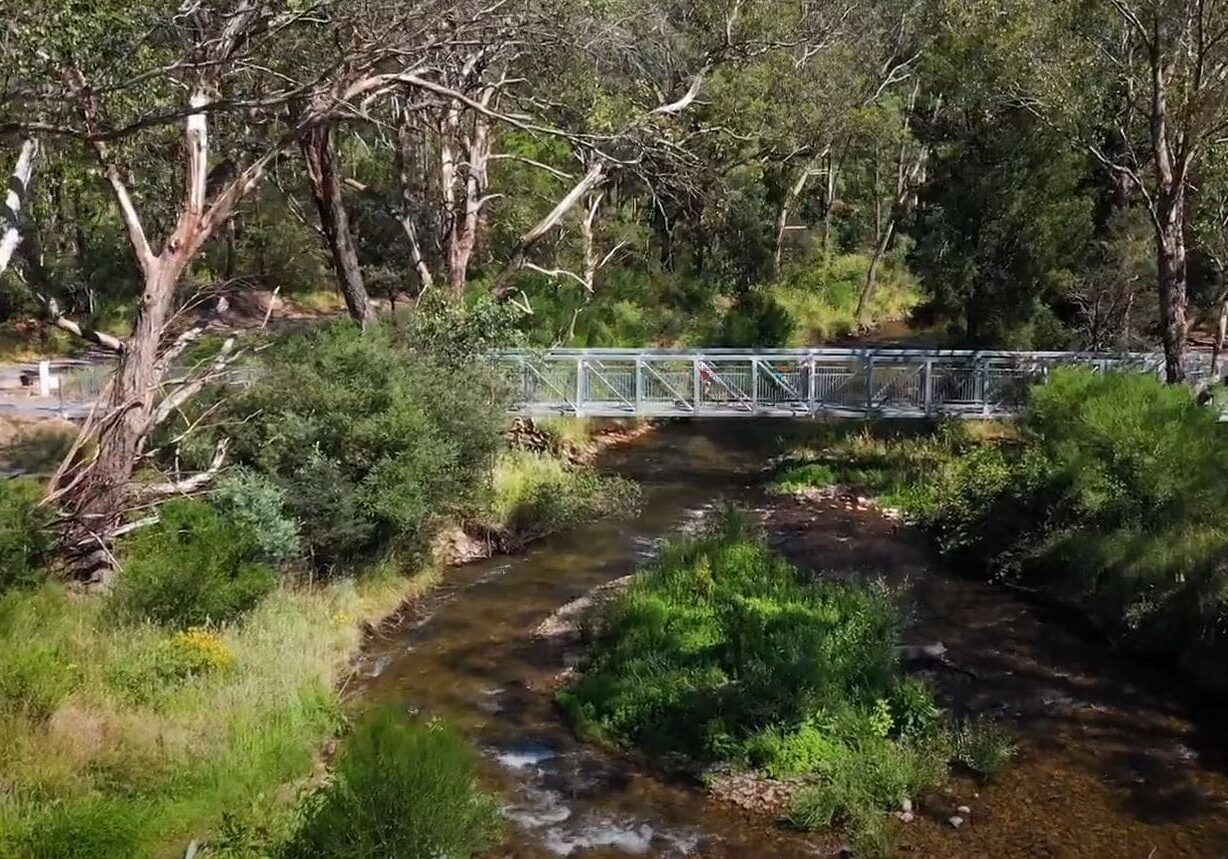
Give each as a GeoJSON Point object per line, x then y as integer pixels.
{"type": "Point", "coordinates": [789, 382]}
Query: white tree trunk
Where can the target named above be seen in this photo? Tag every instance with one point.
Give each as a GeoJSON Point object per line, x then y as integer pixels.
{"type": "Point", "coordinates": [18, 191]}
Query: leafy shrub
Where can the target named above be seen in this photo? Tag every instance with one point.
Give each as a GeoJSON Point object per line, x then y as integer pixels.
{"type": "Point", "coordinates": [369, 439]}
{"type": "Point", "coordinates": [193, 567]}
{"type": "Point", "coordinates": [811, 475]}
{"type": "Point", "coordinates": [1111, 499]}
{"type": "Point", "coordinates": [721, 651]}
{"type": "Point", "coordinates": [23, 532]}
{"type": "Point", "coordinates": [257, 505]}
{"type": "Point", "coordinates": [401, 787]}
{"type": "Point", "coordinates": [754, 319]}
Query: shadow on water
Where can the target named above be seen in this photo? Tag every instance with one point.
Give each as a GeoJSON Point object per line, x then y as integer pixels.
{"type": "Point", "coordinates": [1108, 767]}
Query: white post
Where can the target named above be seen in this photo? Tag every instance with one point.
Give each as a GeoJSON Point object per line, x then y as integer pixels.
{"type": "Point", "coordinates": [44, 379]}
{"type": "Point", "coordinates": [869, 384]}
{"type": "Point", "coordinates": [812, 386]}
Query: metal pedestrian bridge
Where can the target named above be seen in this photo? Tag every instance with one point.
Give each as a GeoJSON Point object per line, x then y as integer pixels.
{"type": "Point", "coordinates": [849, 383]}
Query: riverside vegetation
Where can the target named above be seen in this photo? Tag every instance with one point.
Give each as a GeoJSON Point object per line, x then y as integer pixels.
{"type": "Point", "coordinates": [191, 701]}
{"type": "Point", "coordinates": [722, 653]}
{"type": "Point", "coordinates": [1108, 496]}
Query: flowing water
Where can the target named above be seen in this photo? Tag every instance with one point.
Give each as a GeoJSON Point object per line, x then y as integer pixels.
{"type": "Point", "coordinates": [1108, 768]}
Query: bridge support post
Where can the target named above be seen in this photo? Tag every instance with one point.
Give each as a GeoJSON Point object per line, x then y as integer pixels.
{"type": "Point", "coordinates": [754, 384]}
{"type": "Point", "coordinates": [869, 384]}
{"type": "Point", "coordinates": [984, 373]}
{"type": "Point", "coordinates": [639, 385]}
{"type": "Point", "coordinates": [812, 387]}
{"type": "Point", "coordinates": [579, 385]}
{"type": "Point", "coordinates": [929, 387]}
{"type": "Point", "coordinates": [696, 385]}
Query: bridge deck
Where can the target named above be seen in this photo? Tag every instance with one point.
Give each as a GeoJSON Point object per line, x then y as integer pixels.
{"type": "Point", "coordinates": [849, 383]}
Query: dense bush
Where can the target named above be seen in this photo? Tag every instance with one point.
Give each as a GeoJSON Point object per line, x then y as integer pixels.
{"type": "Point", "coordinates": [721, 651]}
{"type": "Point", "coordinates": [23, 532]}
{"type": "Point", "coordinates": [401, 788]}
{"type": "Point", "coordinates": [193, 567]}
{"type": "Point", "coordinates": [368, 438]}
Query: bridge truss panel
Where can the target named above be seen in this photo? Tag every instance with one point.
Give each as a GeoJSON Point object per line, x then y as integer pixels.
{"type": "Point", "coordinates": [887, 383]}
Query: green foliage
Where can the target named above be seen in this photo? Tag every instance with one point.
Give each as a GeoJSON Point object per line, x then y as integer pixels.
{"type": "Point", "coordinates": [856, 782]}
{"type": "Point", "coordinates": [538, 494]}
{"type": "Point", "coordinates": [370, 439]}
{"type": "Point", "coordinates": [756, 319]}
{"type": "Point", "coordinates": [194, 566]}
{"type": "Point", "coordinates": [810, 475]}
{"type": "Point", "coordinates": [206, 741]}
{"type": "Point", "coordinates": [152, 672]}
{"type": "Point", "coordinates": [257, 506]}
{"type": "Point", "coordinates": [401, 788]}
{"type": "Point", "coordinates": [721, 651]}
{"type": "Point", "coordinates": [23, 532]}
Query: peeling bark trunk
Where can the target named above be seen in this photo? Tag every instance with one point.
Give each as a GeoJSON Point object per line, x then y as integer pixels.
{"type": "Point", "coordinates": [1168, 215]}
{"type": "Point", "coordinates": [98, 501]}
{"type": "Point", "coordinates": [320, 153]}
{"type": "Point", "coordinates": [590, 181]}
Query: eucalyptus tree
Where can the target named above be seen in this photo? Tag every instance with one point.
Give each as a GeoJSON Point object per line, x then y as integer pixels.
{"type": "Point", "coordinates": [1142, 85]}
{"type": "Point", "coordinates": [146, 90]}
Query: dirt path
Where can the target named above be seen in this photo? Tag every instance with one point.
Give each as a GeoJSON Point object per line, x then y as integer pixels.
{"type": "Point", "coordinates": [1109, 767]}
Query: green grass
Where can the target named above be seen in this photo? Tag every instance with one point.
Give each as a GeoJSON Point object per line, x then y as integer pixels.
{"type": "Point", "coordinates": [721, 652]}
{"type": "Point", "coordinates": [822, 297]}
{"type": "Point", "coordinates": [132, 740]}
{"type": "Point", "coordinates": [537, 494]}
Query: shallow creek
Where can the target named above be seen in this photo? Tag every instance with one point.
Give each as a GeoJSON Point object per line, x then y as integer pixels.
{"type": "Point", "coordinates": [1110, 764]}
